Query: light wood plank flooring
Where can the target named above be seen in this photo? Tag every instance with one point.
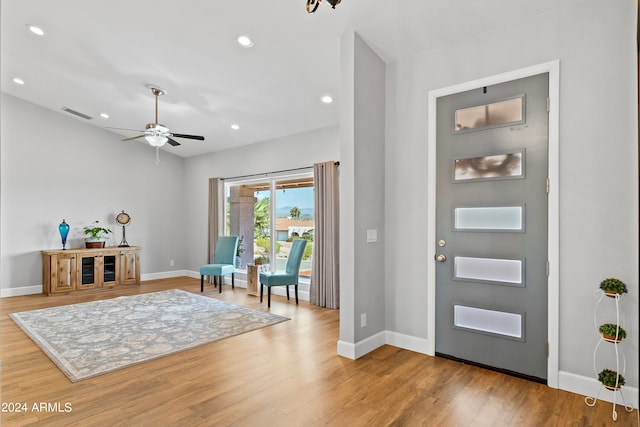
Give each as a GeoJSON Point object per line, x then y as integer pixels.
{"type": "Point", "coordinates": [284, 375]}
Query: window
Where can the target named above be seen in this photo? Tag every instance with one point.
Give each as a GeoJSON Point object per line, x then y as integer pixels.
{"type": "Point", "coordinates": [268, 214]}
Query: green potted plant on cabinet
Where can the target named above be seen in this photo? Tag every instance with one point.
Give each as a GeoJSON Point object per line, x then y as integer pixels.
{"type": "Point", "coordinates": [612, 287]}
{"type": "Point", "coordinates": [611, 379]}
{"type": "Point", "coordinates": [97, 235]}
{"type": "Point", "coordinates": [612, 332]}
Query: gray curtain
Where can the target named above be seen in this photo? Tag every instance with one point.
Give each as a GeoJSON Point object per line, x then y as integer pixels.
{"type": "Point", "coordinates": [325, 274]}
{"type": "Point", "coordinates": [216, 215]}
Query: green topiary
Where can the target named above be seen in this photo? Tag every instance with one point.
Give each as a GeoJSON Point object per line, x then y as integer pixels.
{"type": "Point", "coordinates": [608, 378]}
{"type": "Point", "coordinates": [613, 285]}
{"type": "Point", "coordinates": [612, 330]}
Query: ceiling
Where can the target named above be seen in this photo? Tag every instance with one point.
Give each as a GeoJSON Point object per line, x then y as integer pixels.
{"type": "Point", "coordinates": [99, 57]}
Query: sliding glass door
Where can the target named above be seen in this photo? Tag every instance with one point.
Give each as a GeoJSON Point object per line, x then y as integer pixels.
{"type": "Point", "coordinates": [268, 214]}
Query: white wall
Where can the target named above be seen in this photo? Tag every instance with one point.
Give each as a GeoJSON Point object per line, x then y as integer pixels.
{"type": "Point", "coordinates": [295, 151]}
{"type": "Point", "coordinates": [595, 43]}
{"type": "Point", "coordinates": [55, 167]}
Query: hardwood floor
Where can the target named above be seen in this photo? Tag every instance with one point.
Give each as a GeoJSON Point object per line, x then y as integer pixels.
{"type": "Point", "coordinates": [284, 375]}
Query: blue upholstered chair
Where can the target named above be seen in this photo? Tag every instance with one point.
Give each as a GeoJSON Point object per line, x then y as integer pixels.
{"type": "Point", "coordinates": [223, 260]}
{"type": "Point", "coordinates": [287, 277]}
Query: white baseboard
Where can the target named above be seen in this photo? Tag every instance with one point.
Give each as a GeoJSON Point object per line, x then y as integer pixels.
{"type": "Point", "coordinates": [166, 275]}
{"type": "Point", "coordinates": [16, 292]}
{"type": "Point", "coordinates": [396, 339]}
{"type": "Point", "coordinates": [407, 342]}
{"type": "Point", "coordinates": [359, 349]}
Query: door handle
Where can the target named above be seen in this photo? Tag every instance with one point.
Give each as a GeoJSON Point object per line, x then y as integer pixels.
{"type": "Point", "coordinates": [441, 258]}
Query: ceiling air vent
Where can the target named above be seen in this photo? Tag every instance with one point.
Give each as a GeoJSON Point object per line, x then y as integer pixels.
{"type": "Point", "coordinates": [75, 113]}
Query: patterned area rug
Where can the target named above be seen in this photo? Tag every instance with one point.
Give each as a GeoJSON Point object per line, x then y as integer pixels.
{"type": "Point", "coordinates": [94, 338]}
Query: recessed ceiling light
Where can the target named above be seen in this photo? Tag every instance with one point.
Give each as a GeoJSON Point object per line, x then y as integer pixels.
{"type": "Point", "coordinates": [327, 99]}
{"type": "Point", "coordinates": [235, 126]}
{"type": "Point", "coordinates": [35, 30]}
{"type": "Point", "coordinates": [18, 81]}
{"type": "Point", "coordinates": [104, 115]}
{"type": "Point", "coordinates": [245, 41]}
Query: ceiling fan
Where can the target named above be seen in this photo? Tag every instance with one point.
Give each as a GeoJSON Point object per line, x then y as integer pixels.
{"type": "Point", "coordinates": [158, 134]}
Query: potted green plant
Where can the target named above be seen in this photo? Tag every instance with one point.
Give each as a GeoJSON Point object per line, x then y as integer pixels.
{"type": "Point", "coordinates": [261, 261]}
{"type": "Point", "coordinates": [612, 287]}
{"type": "Point", "coordinates": [610, 379]}
{"type": "Point", "coordinates": [612, 332]}
{"type": "Point", "coordinates": [97, 235]}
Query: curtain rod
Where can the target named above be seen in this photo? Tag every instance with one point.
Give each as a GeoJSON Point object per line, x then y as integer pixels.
{"type": "Point", "coordinates": [266, 174]}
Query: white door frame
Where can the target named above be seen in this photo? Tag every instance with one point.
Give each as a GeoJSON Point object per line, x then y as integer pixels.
{"type": "Point", "coordinates": [553, 68]}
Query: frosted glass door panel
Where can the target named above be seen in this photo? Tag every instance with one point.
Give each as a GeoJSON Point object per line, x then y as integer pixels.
{"type": "Point", "coordinates": [506, 218]}
{"type": "Point", "coordinates": [501, 113]}
{"type": "Point", "coordinates": [488, 321]}
{"type": "Point", "coordinates": [499, 166]}
{"type": "Point", "coordinates": [505, 271]}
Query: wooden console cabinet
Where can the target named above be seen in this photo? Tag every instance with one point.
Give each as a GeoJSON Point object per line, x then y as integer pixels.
{"type": "Point", "coordinates": [79, 269]}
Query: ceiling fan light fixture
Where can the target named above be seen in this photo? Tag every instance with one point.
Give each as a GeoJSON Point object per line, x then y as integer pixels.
{"type": "Point", "coordinates": [156, 140]}
{"type": "Point", "coordinates": [156, 134]}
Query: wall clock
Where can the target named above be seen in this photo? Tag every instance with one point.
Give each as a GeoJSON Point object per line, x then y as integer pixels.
{"type": "Point", "coordinates": [123, 219]}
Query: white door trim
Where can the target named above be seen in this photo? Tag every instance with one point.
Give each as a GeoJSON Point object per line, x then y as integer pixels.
{"type": "Point", "coordinates": [553, 68]}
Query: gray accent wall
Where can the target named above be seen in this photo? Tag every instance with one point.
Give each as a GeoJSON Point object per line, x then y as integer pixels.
{"type": "Point", "coordinates": [362, 192]}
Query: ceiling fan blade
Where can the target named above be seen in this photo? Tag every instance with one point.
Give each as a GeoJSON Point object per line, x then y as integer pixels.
{"type": "Point", "coordinates": [181, 135]}
{"type": "Point", "coordinates": [132, 130]}
{"type": "Point", "coordinates": [172, 142]}
{"type": "Point", "coordinates": [132, 138]}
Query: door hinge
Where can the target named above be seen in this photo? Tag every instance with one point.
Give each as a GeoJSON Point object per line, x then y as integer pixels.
{"type": "Point", "coordinates": [548, 104]}
{"type": "Point", "coordinates": [547, 268]}
{"type": "Point", "coordinates": [547, 185]}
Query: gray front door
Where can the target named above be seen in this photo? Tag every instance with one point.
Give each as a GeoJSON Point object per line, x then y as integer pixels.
{"type": "Point", "coordinates": [491, 225]}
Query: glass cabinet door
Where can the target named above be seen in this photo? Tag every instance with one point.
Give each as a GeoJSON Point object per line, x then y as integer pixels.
{"type": "Point", "coordinates": [110, 265]}
{"type": "Point", "coordinates": [87, 271]}
{"type": "Point", "coordinates": [97, 269]}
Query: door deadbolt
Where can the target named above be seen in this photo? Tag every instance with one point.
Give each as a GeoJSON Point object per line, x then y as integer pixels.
{"type": "Point", "coordinates": [441, 243]}
{"type": "Point", "coordinates": [441, 258]}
